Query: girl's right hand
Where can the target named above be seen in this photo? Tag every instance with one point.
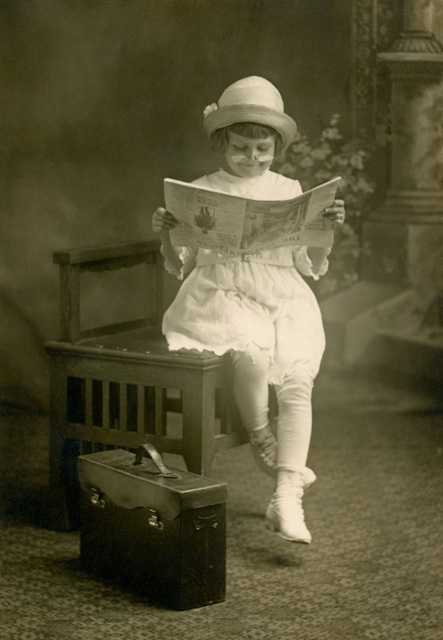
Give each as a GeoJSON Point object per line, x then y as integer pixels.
{"type": "Point", "coordinates": [163, 221]}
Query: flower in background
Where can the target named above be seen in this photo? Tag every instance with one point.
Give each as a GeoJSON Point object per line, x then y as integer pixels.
{"type": "Point", "coordinates": [315, 161]}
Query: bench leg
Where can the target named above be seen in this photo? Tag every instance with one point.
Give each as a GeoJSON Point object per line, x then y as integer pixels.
{"type": "Point", "coordinates": [63, 483]}
{"type": "Point", "coordinates": [199, 424]}
{"type": "Point", "coordinates": [62, 454]}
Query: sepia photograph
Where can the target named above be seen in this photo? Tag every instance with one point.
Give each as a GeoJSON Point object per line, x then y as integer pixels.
{"type": "Point", "coordinates": [221, 319]}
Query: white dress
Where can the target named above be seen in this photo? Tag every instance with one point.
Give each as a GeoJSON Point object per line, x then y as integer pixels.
{"type": "Point", "coordinates": [232, 302]}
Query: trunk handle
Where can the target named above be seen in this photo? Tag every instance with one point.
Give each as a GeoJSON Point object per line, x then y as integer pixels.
{"type": "Point", "coordinates": [150, 451]}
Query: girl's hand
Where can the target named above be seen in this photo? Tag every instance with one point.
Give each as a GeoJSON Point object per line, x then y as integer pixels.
{"type": "Point", "coordinates": [162, 221]}
{"type": "Point", "coordinates": [336, 212]}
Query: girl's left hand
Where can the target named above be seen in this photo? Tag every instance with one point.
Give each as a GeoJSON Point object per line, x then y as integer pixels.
{"type": "Point", "coordinates": [336, 212]}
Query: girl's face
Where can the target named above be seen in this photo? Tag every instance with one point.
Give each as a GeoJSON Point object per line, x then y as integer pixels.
{"type": "Point", "coordinates": [248, 157]}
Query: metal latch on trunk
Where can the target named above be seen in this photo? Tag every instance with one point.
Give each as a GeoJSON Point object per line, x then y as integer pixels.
{"type": "Point", "coordinates": [154, 519]}
{"type": "Point", "coordinates": [97, 498]}
{"type": "Point", "coordinates": [205, 522]}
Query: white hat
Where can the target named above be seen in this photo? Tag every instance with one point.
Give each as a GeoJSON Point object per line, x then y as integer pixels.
{"type": "Point", "coordinates": [252, 99]}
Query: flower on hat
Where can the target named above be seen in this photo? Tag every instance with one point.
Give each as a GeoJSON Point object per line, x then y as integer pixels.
{"type": "Point", "coordinates": [209, 109]}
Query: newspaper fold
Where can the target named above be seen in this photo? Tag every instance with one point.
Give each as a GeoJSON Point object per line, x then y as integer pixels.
{"type": "Point", "coordinates": [232, 224]}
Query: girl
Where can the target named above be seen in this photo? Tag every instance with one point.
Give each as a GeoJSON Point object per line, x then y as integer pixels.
{"type": "Point", "coordinates": [257, 307]}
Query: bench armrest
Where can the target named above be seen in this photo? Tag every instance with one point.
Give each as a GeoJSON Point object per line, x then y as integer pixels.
{"type": "Point", "coordinates": [89, 256]}
{"type": "Point", "coordinates": [73, 262]}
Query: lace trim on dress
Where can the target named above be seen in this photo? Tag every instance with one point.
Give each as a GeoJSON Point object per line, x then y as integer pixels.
{"type": "Point", "coordinates": [304, 263]}
{"type": "Point", "coordinates": [188, 257]}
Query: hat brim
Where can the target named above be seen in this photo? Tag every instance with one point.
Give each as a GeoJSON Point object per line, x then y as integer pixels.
{"type": "Point", "coordinates": [224, 116]}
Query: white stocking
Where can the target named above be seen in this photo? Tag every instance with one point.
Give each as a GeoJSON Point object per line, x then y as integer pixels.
{"type": "Point", "coordinates": [294, 421]}
{"type": "Point", "coordinates": [251, 387]}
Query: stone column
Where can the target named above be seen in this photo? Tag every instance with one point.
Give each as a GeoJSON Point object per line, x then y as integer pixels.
{"type": "Point", "coordinates": [418, 16]}
{"type": "Point", "coordinates": [413, 206]}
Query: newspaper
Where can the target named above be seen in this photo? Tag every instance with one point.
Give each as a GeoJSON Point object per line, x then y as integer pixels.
{"type": "Point", "coordinates": [234, 225]}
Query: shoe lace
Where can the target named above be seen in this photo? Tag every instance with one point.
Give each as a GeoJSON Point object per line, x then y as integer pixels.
{"type": "Point", "coordinates": [281, 496]}
{"type": "Point", "coordinates": [265, 446]}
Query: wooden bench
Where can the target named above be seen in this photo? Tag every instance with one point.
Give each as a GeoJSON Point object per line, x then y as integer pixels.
{"type": "Point", "coordinates": [119, 386]}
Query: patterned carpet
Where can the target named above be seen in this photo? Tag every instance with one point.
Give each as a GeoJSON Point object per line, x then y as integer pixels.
{"type": "Point", "coordinates": [374, 570]}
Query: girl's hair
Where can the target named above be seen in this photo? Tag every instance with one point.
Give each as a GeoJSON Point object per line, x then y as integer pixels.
{"type": "Point", "coordinates": [220, 139]}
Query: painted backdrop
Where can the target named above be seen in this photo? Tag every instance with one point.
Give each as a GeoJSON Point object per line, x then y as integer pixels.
{"type": "Point", "coordinates": [102, 100]}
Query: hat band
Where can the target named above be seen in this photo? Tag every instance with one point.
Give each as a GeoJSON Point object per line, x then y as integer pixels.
{"type": "Point", "coordinates": [276, 119]}
{"type": "Point", "coordinates": [260, 96]}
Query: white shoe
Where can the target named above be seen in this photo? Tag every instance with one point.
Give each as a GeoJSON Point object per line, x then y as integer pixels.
{"type": "Point", "coordinates": [309, 478]}
{"type": "Point", "coordinates": [270, 467]}
{"type": "Point", "coordinates": [264, 449]}
{"type": "Point", "coordinates": [285, 511]}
